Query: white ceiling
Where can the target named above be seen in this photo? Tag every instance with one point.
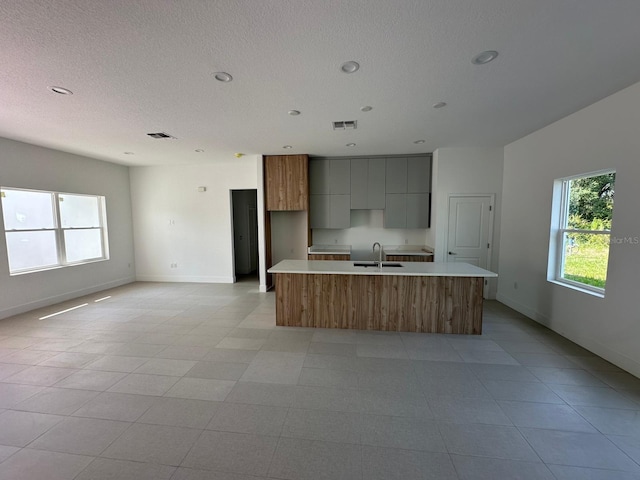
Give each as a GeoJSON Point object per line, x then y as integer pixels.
{"type": "Point", "coordinates": [141, 66]}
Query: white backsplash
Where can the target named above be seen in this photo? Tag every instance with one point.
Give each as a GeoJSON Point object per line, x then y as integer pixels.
{"type": "Point", "coordinates": [367, 228]}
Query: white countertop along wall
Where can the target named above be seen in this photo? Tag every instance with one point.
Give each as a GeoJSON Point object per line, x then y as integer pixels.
{"type": "Point", "coordinates": [423, 269]}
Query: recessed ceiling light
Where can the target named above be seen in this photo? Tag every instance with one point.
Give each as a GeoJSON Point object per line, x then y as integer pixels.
{"type": "Point", "coordinates": [439, 105]}
{"type": "Point", "coordinates": [484, 57]}
{"type": "Point", "coordinates": [294, 113]}
{"type": "Point", "coordinates": [351, 144]}
{"type": "Point", "coordinates": [350, 66]}
{"type": "Point", "coordinates": [419, 142]}
{"type": "Point", "coordinates": [287, 147]}
{"type": "Point", "coordinates": [129, 153]}
{"type": "Point", "coordinates": [61, 90]}
{"type": "Point", "coordinates": [222, 76]}
{"type": "Point", "coordinates": [366, 109]}
{"type": "Point", "coordinates": [199, 150]}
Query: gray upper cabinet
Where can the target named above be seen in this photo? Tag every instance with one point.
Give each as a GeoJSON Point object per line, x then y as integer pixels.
{"type": "Point", "coordinates": [418, 175]}
{"type": "Point", "coordinates": [376, 187]}
{"type": "Point", "coordinates": [339, 177]}
{"type": "Point", "coordinates": [329, 187]}
{"type": "Point", "coordinates": [329, 177]}
{"type": "Point", "coordinates": [395, 212]}
{"type": "Point", "coordinates": [340, 211]}
{"type": "Point", "coordinates": [329, 211]}
{"type": "Point", "coordinates": [396, 175]}
{"type": "Point", "coordinates": [319, 177]}
{"type": "Point", "coordinates": [359, 183]}
{"type": "Point", "coordinates": [408, 187]}
{"type": "Point", "coordinates": [368, 183]}
{"type": "Point", "coordinates": [319, 211]}
{"type": "Point", "coordinates": [401, 186]}
{"type": "Point", "coordinates": [418, 208]}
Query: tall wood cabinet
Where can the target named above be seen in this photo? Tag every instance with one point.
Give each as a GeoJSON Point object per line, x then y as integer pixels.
{"type": "Point", "coordinates": [286, 182]}
{"type": "Point", "coordinates": [286, 188]}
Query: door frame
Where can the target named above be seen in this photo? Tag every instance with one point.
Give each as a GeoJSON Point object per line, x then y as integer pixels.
{"type": "Point", "coordinates": [233, 237]}
{"type": "Point", "coordinates": [492, 211]}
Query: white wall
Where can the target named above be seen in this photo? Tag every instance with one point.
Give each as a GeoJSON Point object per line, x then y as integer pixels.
{"type": "Point", "coordinates": [200, 239]}
{"type": "Point", "coordinates": [465, 171]}
{"type": "Point", "coordinates": [603, 135]}
{"type": "Point", "coordinates": [28, 166]}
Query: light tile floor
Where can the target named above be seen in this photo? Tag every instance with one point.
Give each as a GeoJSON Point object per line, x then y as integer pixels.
{"type": "Point", "coordinates": [195, 382]}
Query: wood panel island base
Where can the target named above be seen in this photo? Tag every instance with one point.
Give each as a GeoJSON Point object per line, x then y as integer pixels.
{"type": "Point", "coordinates": [415, 297]}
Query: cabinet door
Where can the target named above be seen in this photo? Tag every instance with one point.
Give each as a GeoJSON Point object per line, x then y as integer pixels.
{"type": "Point", "coordinates": [395, 211]}
{"type": "Point", "coordinates": [376, 184]}
{"type": "Point", "coordinates": [286, 182]}
{"type": "Point", "coordinates": [319, 176]}
{"type": "Point", "coordinates": [396, 181]}
{"type": "Point", "coordinates": [319, 213]}
{"type": "Point", "coordinates": [340, 177]}
{"type": "Point", "coordinates": [359, 186]}
{"type": "Point", "coordinates": [340, 211]}
{"type": "Point", "coordinates": [418, 210]}
{"type": "Point", "coordinates": [418, 175]}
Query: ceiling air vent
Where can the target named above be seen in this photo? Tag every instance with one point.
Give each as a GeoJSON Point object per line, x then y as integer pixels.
{"type": "Point", "coordinates": [345, 125]}
{"type": "Point", "coordinates": [160, 135]}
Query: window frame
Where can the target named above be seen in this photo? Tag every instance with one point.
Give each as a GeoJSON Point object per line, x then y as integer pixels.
{"type": "Point", "coordinates": [59, 231]}
{"type": "Point", "coordinates": [561, 205]}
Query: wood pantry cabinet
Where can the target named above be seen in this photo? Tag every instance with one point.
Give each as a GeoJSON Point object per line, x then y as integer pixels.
{"type": "Point", "coordinates": [286, 182]}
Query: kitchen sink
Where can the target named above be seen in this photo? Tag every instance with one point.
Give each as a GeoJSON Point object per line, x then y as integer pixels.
{"type": "Point", "coordinates": [375, 264]}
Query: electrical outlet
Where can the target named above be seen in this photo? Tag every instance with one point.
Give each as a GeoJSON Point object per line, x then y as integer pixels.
{"type": "Point", "coordinates": [174, 265]}
{"type": "Point", "coordinates": [172, 222]}
{"type": "Point", "coordinates": [406, 241]}
{"type": "Point", "coordinates": [335, 240]}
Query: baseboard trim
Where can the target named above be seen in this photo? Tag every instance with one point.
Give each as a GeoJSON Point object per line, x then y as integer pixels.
{"type": "Point", "coordinates": [45, 302]}
{"type": "Point", "coordinates": [183, 279]}
{"type": "Point", "coordinates": [575, 335]}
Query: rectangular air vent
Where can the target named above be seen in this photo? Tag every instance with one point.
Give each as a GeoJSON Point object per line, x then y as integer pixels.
{"type": "Point", "coordinates": [160, 135]}
{"type": "Point", "coordinates": [345, 125]}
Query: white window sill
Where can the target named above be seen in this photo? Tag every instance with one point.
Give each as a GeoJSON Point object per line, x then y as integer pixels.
{"type": "Point", "coordinates": [57, 267]}
{"type": "Point", "coordinates": [573, 286]}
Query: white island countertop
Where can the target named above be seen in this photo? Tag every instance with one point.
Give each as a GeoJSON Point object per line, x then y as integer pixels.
{"type": "Point", "coordinates": [420, 269]}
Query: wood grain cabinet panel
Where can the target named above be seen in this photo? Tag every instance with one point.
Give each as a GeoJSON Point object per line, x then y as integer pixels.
{"type": "Point", "coordinates": [324, 256]}
{"type": "Point", "coordinates": [409, 258]}
{"type": "Point", "coordinates": [380, 302]}
{"type": "Point", "coordinates": [286, 182]}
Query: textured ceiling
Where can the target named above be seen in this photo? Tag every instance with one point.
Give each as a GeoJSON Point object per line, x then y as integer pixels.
{"type": "Point", "coordinates": [140, 66]}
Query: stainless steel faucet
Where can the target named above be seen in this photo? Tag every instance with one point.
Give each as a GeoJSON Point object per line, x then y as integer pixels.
{"type": "Point", "coordinates": [379, 253]}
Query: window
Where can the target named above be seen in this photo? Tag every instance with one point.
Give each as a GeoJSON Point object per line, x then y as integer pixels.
{"type": "Point", "coordinates": [584, 210]}
{"type": "Point", "coordinates": [48, 229]}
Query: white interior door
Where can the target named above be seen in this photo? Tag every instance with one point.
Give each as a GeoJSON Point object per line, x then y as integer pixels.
{"type": "Point", "coordinates": [469, 237]}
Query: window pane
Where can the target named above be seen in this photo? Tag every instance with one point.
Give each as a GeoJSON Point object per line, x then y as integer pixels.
{"type": "Point", "coordinates": [79, 211]}
{"type": "Point", "coordinates": [586, 257]}
{"type": "Point", "coordinates": [83, 244]}
{"type": "Point", "coordinates": [31, 250]}
{"type": "Point", "coordinates": [591, 202]}
{"type": "Point", "coordinates": [25, 210]}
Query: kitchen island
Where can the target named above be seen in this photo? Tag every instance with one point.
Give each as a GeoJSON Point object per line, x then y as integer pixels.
{"type": "Point", "coordinates": [408, 297]}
